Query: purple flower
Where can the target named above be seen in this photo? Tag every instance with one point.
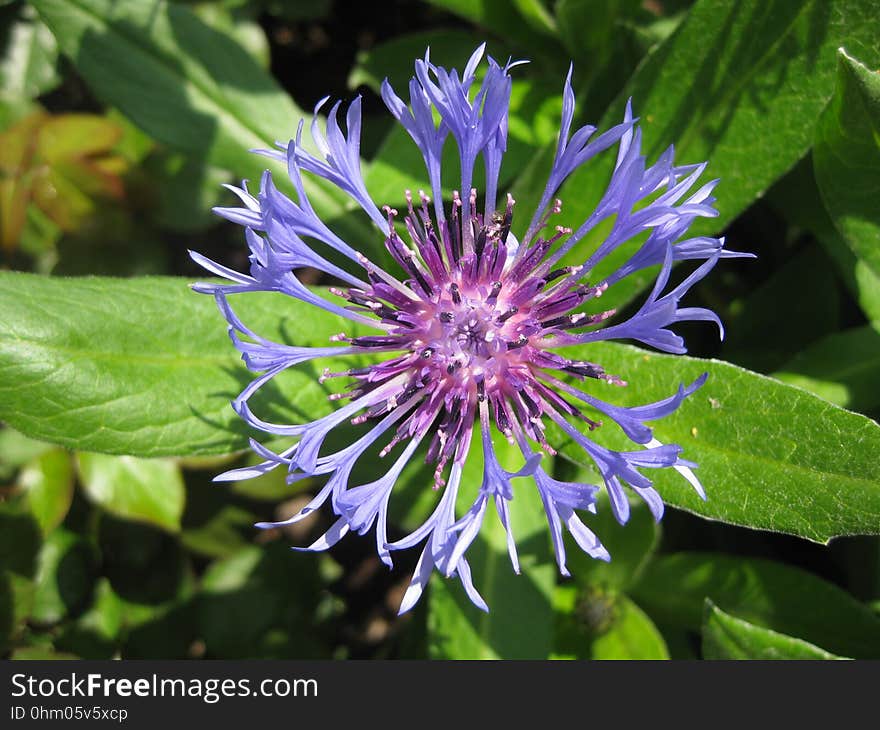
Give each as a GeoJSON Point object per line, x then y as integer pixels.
{"type": "Point", "coordinates": [473, 326]}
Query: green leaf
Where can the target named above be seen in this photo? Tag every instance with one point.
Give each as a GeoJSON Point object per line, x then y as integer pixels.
{"type": "Point", "coordinates": [588, 29]}
{"type": "Point", "coordinates": [144, 490]}
{"type": "Point", "coordinates": [600, 625]}
{"type": "Point", "coordinates": [843, 368]}
{"type": "Point", "coordinates": [213, 525]}
{"type": "Point", "coordinates": [260, 602]}
{"type": "Point", "coordinates": [185, 83]}
{"type": "Point", "coordinates": [48, 481]}
{"type": "Point", "coordinates": [846, 158]}
{"type": "Point", "coordinates": [780, 597]}
{"type": "Point", "coordinates": [536, 16]}
{"type": "Point", "coordinates": [728, 637]}
{"type": "Point", "coordinates": [142, 366]}
{"type": "Point", "coordinates": [770, 456]}
{"type": "Point", "coordinates": [17, 450]}
{"type": "Point", "coordinates": [66, 571]}
{"type": "Point", "coordinates": [394, 59]}
{"type": "Point", "coordinates": [787, 305]}
{"type": "Point", "coordinates": [519, 624]}
{"type": "Point", "coordinates": [186, 191]}
{"type": "Point", "coordinates": [94, 635]}
{"type": "Point", "coordinates": [246, 32]}
{"type": "Point", "coordinates": [739, 84]}
{"type": "Point", "coordinates": [498, 18]}
{"type": "Point", "coordinates": [798, 199]}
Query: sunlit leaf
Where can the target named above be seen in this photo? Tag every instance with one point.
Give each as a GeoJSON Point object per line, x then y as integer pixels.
{"type": "Point", "coordinates": [142, 367]}
{"type": "Point", "coordinates": [48, 481]}
{"type": "Point", "coordinates": [847, 157]}
{"type": "Point", "coordinates": [148, 490]}
{"type": "Point", "coordinates": [780, 597]}
{"type": "Point", "coordinates": [729, 637]}
{"type": "Point", "coordinates": [770, 456]}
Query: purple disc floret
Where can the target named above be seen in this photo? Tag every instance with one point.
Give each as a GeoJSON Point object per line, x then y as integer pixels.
{"type": "Point", "coordinates": [473, 327]}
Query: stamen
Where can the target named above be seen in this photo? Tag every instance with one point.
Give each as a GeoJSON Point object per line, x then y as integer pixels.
{"type": "Point", "coordinates": [455, 292]}
{"type": "Point", "coordinates": [495, 291]}
{"type": "Point", "coordinates": [501, 319]}
{"type": "Point", "coordinates": [521, 341]}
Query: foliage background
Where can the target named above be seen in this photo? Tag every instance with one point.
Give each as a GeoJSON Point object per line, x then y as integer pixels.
{"type": "Point", "coordinates": [119, 123]}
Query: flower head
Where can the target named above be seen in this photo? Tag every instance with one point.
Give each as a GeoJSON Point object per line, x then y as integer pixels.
{"type": "Point", "coordinates": [471, 330]}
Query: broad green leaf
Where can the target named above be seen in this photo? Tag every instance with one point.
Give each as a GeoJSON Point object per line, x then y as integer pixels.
{"type": "Point", "coordinates": [186, 84]}
{"type": "Point", "coordinates": [780, 597]}
{"type": "Point", "coordinates": [67, 568]}
{"type": "Point", "coordinates": [739, 84]}
{"type": "Point", "coordinates": [519, 624]}
{"type": "Point", "coordinates": [48, 481]}
{"type": "Point", "coordinates": [770, 456]}
{"type": "Point", "coordinates": [599, 625]}
{"type": "Point", "coordinates": [144, 490]}
{"type": "Point", "coordinates": [143, 366]}
{"type": "Point", "coordinates": [846, 157]}
{"type": "Point", "coordinates": [729, 637]}
{"type": "Point", "coordinates": [843, 368]}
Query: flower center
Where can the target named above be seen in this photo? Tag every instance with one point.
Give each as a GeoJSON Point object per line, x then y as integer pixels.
{"type": "Point", "coordinates": [469, 337]}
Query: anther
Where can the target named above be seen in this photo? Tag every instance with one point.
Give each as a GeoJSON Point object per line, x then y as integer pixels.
{"type": "Point", "coordinates": [556, 273]}
{"type": "Point", "coordinates": [480, 242]}
{"type": "Point", "coordinates": [521, 341]}
{"type": "Point", "coordinates": [456, 294]}
{"type": "Point", "coordinates": [501, 319]}
{"type": "Point", "coordinates": [446, 317]}
{"type": "Point", "coordinates": [495, 291]}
